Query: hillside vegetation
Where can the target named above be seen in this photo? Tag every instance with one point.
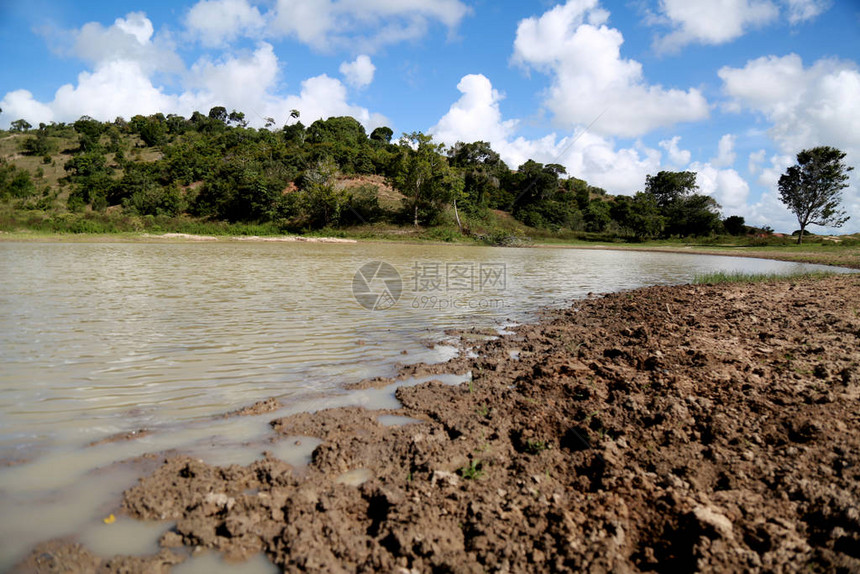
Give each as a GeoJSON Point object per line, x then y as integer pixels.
{"type": "Point", "coordinates": [213, 174]}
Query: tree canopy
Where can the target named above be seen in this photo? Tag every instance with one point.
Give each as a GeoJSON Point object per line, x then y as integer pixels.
{"type": "Point", "coordinates": [812, 188]}
{"type": "Point", "coordinates": [333, 174]}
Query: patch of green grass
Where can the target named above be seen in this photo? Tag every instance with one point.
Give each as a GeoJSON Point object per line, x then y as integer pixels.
{"type": "Point", "coordinates": [536, 446]}
{"type": "Point", "coordinates": [722, 277]}
{"type": "Point", "coordinates": [473, 471]}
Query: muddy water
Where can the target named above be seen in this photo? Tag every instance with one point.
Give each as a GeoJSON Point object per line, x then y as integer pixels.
{"type": "Point", "coordinates": [101, 339]}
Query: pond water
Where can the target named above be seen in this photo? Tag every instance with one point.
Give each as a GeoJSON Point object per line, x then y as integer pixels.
{"type": "Point", "coordinates": [98, 339]}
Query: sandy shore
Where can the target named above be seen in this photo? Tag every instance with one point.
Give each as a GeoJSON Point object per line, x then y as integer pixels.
{"type": "Point", "coordinates": [668, 429]}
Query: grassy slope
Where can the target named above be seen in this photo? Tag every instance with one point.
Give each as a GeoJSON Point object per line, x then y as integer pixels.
{"type": "Point", "coordinates": [495, 224]}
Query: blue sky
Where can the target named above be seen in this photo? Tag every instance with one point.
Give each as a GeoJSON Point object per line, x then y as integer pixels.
{"type": "Point", "coordinates": [731, 89]}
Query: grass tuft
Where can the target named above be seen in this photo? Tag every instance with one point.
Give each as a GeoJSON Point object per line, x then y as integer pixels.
{"type": "Point", "coordinates": [721, 277]}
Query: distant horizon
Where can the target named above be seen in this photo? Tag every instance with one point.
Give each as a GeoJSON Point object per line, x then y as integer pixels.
{"type": "Point", "coordinates": [730, 90]}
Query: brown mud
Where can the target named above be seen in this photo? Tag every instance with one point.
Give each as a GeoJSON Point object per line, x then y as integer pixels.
{"type": "Point", "coordinates": [711, 428]}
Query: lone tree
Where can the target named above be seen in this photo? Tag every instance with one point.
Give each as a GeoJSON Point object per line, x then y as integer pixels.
{"type": "Point", "coordinates": [812, 189]}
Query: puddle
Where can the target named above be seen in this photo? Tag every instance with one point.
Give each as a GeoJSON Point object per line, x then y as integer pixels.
{"type": "Point", "coordinates": [125, 536]}
{"type": "Point", "coordinates": [296, 451]}
{"type": "Point", "coordinates": [35, 516]}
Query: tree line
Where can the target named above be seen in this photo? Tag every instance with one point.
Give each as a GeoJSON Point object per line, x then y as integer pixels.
{"type": "Point", "coordinates": [215, 167]}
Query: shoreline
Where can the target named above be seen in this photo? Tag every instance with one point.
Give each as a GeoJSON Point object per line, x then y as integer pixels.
{"type": "Point", "coordinates": [816, 254]}
{"type": "Point", "coordinates": [692, 426]}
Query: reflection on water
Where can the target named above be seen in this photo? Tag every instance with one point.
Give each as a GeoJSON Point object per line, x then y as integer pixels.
{"type": "Point", "coordinates": [99, 339]}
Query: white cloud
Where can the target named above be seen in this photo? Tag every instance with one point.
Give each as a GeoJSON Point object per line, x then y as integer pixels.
{"type": "Point", "coordinates": [476, 116]}
{"type": "Point", "coordinates": [805, 106]}
{"type": "Point", "coordinates": [756, 158]}
{"type": "Point", "coordinates": [726, 151]}
{"type": "Point", "coordinates": [247, 82]}
{"type": "Point", "coordinates": [217, 22]}
{"type": "Point", "coordinates": [129, 39]}
{"type": "Point", "coordinates": [804, 10]}
{"type": "Point", "coordinates": [21, 104]}
{"type": "Point", "coordinates": [117, 88]}
{"type": "Point", "coordinates": [322, 97]}
{"type": "Point", "coordinates": [364, 25]}
{"type": "Point", "coordinates": [240, 81]}
{"type": "Point", "coordinates": [136, 24]}
{"type": "Point", "coordinates": [591, 80]}
{"type": "Point", "coordinates": [712, 21]}
{"type": "Point", "coordinates": [358, 73]}
{"type": "Point", "coordinates": [726, 186]}
{"type": "Point", "coordinates": [678, 157]}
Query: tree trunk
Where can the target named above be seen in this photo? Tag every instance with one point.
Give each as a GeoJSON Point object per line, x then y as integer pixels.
{"type": "Point", "coordinates": [457, 217]}
{"type": "Point", "coordinates": [416, 214]}
{"type": "Point", "coordinates": [800, 236]}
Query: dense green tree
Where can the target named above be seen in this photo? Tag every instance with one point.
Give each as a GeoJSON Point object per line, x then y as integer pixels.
{"type": "Point", "coordinates": [343, 131]}
{"type": "Point", "coordinates": [638, 216]}
{"type": "Point", "coordinates": [424, 177]}
{"type": "Point", "coordinates": [152, 130]}
{"type": "Point", "coordinates": [155, 200]}
{"type": "Point", "coordinates": [176, 125]}
{"type": "Point", "coordinates": [90, 131]}
{"type": "Point", "coordinates": [670, 186]}
{"type": "Point", "coordinates": [812, 188]}
{"type": "Point", "coordinates": [693, 215]}
{"type": "Point", "coordinates": [15, 183]}
{"type": "Point", "coordinates": [21, 126]}
{"type": "Point", "coordinates": [541, 199]}
{"type": "Point", "coordinates": [734, 225]}
{"type": "Point", "coordinates": [597, 216]}
{"type": "Point", "coordinates": [40, 144]}
{"type": "Point", "coordinates": [482, 169]}
{"type": "Point", "coordinates": [237, 119]}
{"type": "Point", "coordinates": [382, 135]}
{"type": "Point", "coordinates": [294, 134]}
{"type": "Point", "coordinates": [219, 114]}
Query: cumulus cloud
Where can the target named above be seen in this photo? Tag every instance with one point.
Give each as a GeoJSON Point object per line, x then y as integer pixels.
{"type": "Point", "coordinates": [590, 80]}
{"type": "Point", "coordinates": [114, 89]}
{"type": "Point", "coordinates": [322, 97]}
{"type": "Point", "coordinates": [130, 39]}
{"type": "Point", "coordinates": [365, 25]}
{"type": "Point", "coordinates": [240, 80]}
{"type": "Point", "coordinates": [755, 160]}
{"type": "Point", "coordinates": [358, 73]}
{"type": "Point", "coordinates": [712, 21]}
{"type": "Point", "coordinates": [121, 83]}
{"type": "Point", "coordinates": [726, 151]}
{"type": "Point", "coordinates": [216, 22]}
{"type": "Point", "coordinates": [20, 104]}
{"type": "Point", "coordinates": [803, 10]}
{"type": "Point", "coordinates": [476, 116]}
{"type": "Point", "coordinates": [678, 157]}
{"type": "Point", "coordinates": [726, 186]}
{"type": "Point", "coordinates": [805, 106]}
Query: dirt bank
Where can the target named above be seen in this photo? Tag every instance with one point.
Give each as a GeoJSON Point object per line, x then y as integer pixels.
{"type": "Point", "coordinates": [665, 429]}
